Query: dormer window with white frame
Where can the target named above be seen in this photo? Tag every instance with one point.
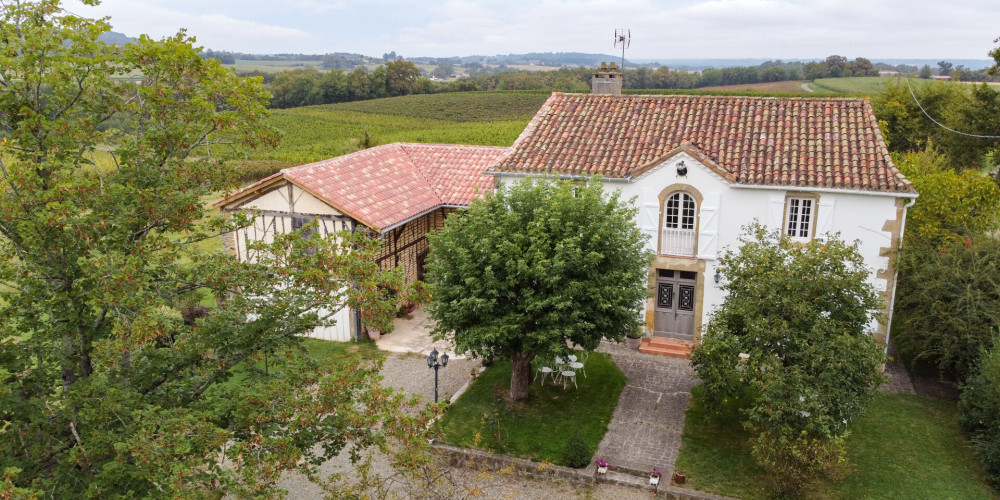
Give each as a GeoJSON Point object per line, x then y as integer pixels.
{"type": "Point", "coordinates": [800, 217]}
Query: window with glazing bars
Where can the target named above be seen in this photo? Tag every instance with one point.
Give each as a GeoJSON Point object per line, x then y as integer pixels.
{"type": "Point", "coordinates": [799, 218]}
{"type": "Point", "coordinates": [680, 211]}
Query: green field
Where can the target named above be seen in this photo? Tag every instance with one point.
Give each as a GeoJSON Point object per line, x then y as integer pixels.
{"type": "Point", "coordinates": [454, 106]}
{"type": "Point", "coordinates": [243, 65]}
{"type": "Point", "coordinates": [871, 85]}
{"type": "Point", "coordinates": [314, 133]}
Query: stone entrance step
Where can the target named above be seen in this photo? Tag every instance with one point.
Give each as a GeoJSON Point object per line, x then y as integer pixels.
{"type": "Point", "coordinates": [666, 347]}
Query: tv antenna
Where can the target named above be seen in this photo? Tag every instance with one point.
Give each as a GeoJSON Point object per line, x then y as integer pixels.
{"type": "Point", "coordinates": [622, 38]}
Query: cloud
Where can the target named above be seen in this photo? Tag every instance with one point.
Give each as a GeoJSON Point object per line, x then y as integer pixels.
{"type": "Point", "coordinates": [213, 30]}
{"type": "Point", "coordinates": [660, 29]}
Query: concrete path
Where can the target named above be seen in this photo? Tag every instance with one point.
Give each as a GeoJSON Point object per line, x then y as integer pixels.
{"type": "Point", "coordinates": [645, 430]}
{"type": "Point", "coordinates": [807, 88]}
{"type": "Point", "coordinates": [412, 335]}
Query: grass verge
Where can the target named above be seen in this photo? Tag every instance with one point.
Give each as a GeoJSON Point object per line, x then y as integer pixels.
{"type": "Point", "coordinates": [905, 447]}
{"type": "Point", "coordinates": [327, 351]}
{"type": "Point", "coordinates": [538, 428]}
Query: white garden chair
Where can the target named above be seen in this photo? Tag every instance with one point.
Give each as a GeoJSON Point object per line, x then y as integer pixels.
{"type": "Point", "coordinates": [560, 363]}
{"type": "Point", "coordinates": [566, 375]}
{"type": "Point", "coordinates": [545, 371]}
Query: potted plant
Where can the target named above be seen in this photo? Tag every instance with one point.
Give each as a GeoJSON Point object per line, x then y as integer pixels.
{"type": "Point", "coordinates": [633, 339]}
{"type": "Point", "coordinates": [679, 477]}
{"type": "Point", "coordinates": [654, 477]}
{"type": "Point", "coordinates": [602, 466]}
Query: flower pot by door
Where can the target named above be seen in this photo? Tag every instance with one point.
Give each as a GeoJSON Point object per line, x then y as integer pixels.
{"type": "Point", "coordinates": [654, 480]}
{"type": "Point", "coordinates": [602, 470]}
{"type": "Point", "coordinates": [679, 478]}
{"type": "Point", "coordinates": [632, 344]}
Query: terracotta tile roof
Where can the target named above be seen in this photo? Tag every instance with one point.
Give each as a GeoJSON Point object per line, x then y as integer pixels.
{"type": "Point", "coordinates": [386, 185]}
{"type": "Point", "coordinates": [796, 142]}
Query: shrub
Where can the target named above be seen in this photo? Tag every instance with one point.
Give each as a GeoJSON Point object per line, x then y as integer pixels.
{"type": "Point", "coordinates": [979, 410]}
{"type": "Point", "coordinates": [792, 337]}
{"type": "Point", "coordinates": [793, 460]}
{"type": "Point", "coordinates": [576, 452]}
{"type": "Point", "coordinates": [949, 299]}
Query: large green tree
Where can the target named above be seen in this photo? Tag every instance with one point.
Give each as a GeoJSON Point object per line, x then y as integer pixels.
{"type": "Point", "coordinates": [535, 266]}
{"type": "Point", "coordinates": [960, 121]}
{"type": "Point", "coordinates": [791, 338]}
{"type": "Point", "coordinates": [107, 390]}
{"type": "Point", "coordinates": [401, 78]}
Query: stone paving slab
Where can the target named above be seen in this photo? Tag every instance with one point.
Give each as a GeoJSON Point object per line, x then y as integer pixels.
{"type": "Point", "coordinates": [645, 430]}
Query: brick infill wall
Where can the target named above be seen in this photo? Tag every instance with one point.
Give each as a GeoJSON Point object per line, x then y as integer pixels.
{"type": "Point", "coordinates": [580, 478]}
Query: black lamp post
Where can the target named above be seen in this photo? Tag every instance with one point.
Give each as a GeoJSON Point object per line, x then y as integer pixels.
{"type": "Point", "coordinates": [434, 362]}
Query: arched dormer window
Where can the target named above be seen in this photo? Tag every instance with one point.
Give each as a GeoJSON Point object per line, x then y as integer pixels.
{"type": "Point", "coordinates": [678, 231]}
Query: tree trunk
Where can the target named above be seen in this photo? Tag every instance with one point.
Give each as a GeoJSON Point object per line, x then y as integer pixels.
{"type": "Point", "coordinates": [520, 375]}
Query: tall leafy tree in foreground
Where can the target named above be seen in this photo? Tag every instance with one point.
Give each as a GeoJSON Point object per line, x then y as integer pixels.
{"type": "Point", "coordinates": [792, 339]}
{"type": "Point", "coordinates": [107, 390]}
{"type": "Point", "coordinates": [536, 265]}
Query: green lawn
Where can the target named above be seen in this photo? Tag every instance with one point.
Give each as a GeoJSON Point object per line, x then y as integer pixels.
{"type": "Point", "coordinates": [327, 350]}
{"type": "Point", "coordinates": [905, 447]}
{"type": "Point", "coordinates": [539, 428]}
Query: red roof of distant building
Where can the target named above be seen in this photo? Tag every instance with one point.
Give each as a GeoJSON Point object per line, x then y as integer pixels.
{"type": "Point", "coordinates": [794, 142]}
{"type": "Point", "coordinates": [387, 185]}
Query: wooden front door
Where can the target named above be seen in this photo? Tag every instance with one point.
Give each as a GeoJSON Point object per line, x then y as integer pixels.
{"type": "Point", "coordinates": [674, 315]}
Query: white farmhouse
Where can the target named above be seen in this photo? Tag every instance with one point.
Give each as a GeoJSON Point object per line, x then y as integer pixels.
{"type": "Point", "coordinates": [703, 167]}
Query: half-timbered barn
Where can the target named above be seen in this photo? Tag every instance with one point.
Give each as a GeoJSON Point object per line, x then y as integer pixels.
{"type": "Point", "coordinates": [400, 192]}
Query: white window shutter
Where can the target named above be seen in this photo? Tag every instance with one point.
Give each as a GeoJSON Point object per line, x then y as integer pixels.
{"type": "Point", "coordinates": [775, 212]}
{"type": "Point", "coordinates": [649, 214]}
{"type": "Point", "coordinates": [708, 229]}
{"type": "Point", "coordinates": [824, 217]}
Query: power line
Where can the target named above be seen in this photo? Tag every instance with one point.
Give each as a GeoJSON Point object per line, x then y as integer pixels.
{"type": "Point", "coordinates": [939, 124]}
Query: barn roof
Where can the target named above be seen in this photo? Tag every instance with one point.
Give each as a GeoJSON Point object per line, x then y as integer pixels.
{"type": "Point", "coordinates": [387, 185]}
{"type": "Point", "coordinates": [793, 142]}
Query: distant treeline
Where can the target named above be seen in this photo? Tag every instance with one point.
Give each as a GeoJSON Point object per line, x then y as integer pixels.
{"type": "Point", "coordinates": [944, 68]}
{"type": "Point", "coordinates": [303, 87]}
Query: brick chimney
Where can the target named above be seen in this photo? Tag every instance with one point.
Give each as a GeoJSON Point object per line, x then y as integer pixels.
{"type": "Point", "coordinates": [607, 81]}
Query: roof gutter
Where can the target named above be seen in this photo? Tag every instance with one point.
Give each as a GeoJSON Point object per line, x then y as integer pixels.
{"type": "Point", "coordinates": [623, 180]}
{"type": "Point", "coordinates": [417, 216]}
{"type": "Point", "coordinates": [888, 194]}
{"type": "Point", "coordinates": [895, 276]}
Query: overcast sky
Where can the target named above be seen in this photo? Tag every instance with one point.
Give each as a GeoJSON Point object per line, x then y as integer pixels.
{"type": "Point", "coordinates": [787, 29]}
